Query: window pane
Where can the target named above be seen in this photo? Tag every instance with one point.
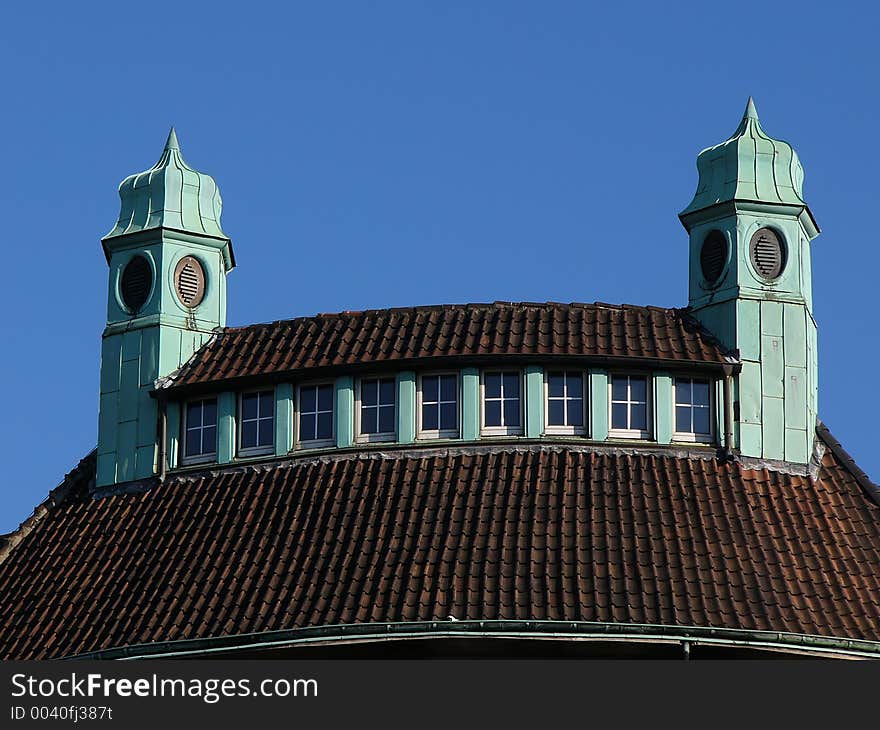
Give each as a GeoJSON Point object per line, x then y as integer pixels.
{"type": "Point", "coordinates": [209, 440]}
{"type": "Point", "coordinates": [325, 398]}
{"type": "Point", "coordinates": [266, 428]}
{"type": "Point", "coordinates": [369, 392]}
{"type": "Point", "coordinates": [556, 385]}
{"type": "Point", "coordinates": [307, 399]}
{"type": "Point", "coordinates": [683, 419]}
{"type": "Point", "coordinates": [638, 389]}
{"type": "Point", "coordinates": [618, 388]}
{"type": "Point", "coordinates": [683, 392]}
{"type": "Point", "coordinates": [556, 412]}
{"type": "Point", "coordinates": [638, 418]}
{"type": "Point", "coordinates": [325, 426]}
{"type": "Point", "coordinates": [575, 412]}
{"type": "Point", "coordinates": [575, 383]}
{"type": "Point", "coordinates": [430, 389]}
{"type": "Point", "coordinates": [430, 415]}
{"type": "Point", "coordinates": [249, 406]}
{"type": "Point", "coordinates": [194, 442]}
{"type": "Point", "coordinates": [386, 419]}
{"type": "Point", "coordinates": [701, 393]}
{"type": "Point", "coordinates": [267, 403]}
{"type": "Point", "coordinates": [369, 416]}
{"type": "Point", "coordinates": [194, 414]}
{"type": "Point", "coordinates": [306, 427]}
{"type": "Point", "coordinates": [511, 412]}
{"type": "Point", "coordinates": [701, 420]}
{"type": "Point", "coordinates": [449, 416]}
{"type": "Point", "coordinates": [493, 385]}
{"type": "Point", "coordinates": [209, 412]}
{"type": "Point", "coordinates": [493, 413]}
{"type": "Point", "coordinates": [449, 388]}
{"type": "Point", "coordinates": [511, 385]}
{"type": "Point", "coordinates": [248, 434]}
{"type": "Point", "coordinates": [386, 392]}
{"type": "Point", "coordinates": [618, 415]}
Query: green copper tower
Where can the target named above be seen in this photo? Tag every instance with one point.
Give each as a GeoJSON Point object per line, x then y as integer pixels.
{"type": "Point", "coordinates": [168, 259]}
{"type": "Point", "coordinates": [751, 285]}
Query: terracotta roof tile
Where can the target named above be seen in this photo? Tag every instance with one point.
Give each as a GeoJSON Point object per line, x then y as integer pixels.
{"type": "Point", "coordinates": [471, 330]}
{"type": "Point", "coordinates": [539, 533]}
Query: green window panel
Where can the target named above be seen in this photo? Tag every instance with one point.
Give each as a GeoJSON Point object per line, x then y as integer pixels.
{"type": "Point", "coordinates": [344, 397]}
{"type": "Point", "coordinates": [283, 418]}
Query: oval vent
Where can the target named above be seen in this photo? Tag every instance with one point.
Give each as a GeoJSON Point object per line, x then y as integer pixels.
{"type": "Point", "coordinates": [767, 253]}
{"type": "Point", "coordinates": [137, 280]}
{"type": "Point", "coordinates": [189, 281]}
{"type": "Point", "coordinates": [713, 256]}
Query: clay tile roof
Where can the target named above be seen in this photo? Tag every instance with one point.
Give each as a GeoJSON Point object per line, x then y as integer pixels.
{"type": "Point", "coordinates": [535, 533]}
{"type": "Point", "coordinates": [470, 330]}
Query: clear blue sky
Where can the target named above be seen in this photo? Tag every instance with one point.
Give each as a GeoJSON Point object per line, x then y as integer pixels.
{"type": "Point", "coordinates": [388, 154]}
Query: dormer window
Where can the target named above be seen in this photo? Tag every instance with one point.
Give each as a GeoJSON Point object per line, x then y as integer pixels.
{"type": "Point", "coordinates": [564, 393]}
{"type": "Point", "coordinates": [438, 406]}
{"type": "Point", "coordinates": [200, 431]}
{"type": "Point", "coordinates": [256, 427]}
{"type": "Point", "coordinates": [315, 415]}
{"type": "Point", "coordinates": [377, 409]}
{"type": "Point", "coordinates": [630, 406]}
{"type": "Point", "coordinates": [502, 404]}
{"type": "Point", "coordinates": [693, 410]}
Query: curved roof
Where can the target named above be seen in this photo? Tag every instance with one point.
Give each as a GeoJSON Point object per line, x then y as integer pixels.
{"type": "Point", "coordinates": [750, 165]}
{"type": "Point", "coordinates": [383, 336]}
{"type": "Point", "coordinates": [531, 533]}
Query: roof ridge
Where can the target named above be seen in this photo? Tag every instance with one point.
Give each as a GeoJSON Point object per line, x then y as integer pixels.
{"type": "Point", "coordinates": [450, 306]}
{"type": "Point", "coordinates": [85, 469]}
{"type": "Point", "coordinates": [848, 462]}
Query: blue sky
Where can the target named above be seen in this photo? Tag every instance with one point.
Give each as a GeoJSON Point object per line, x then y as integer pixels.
{"type": "Point", "coordinates": [390, 154]}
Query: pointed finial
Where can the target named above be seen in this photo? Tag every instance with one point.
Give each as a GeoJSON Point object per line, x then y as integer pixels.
{"type": "Point", "coordinates": [751, 112]}
{"type": "Point", "coordinates": [172, 143]}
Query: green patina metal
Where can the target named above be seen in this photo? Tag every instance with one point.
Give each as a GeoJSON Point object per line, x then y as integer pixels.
{"type": "Point", "coordinates": [598, 405]}
{"type": "Point", "coordinates": [226, 434]}
{"type": "Point", "coordinates": [344, 407]}
{"type": "Point", "coordinates": [168, 212]}
{"type": "Point", "coordinates": [750, 165]}
{"type": "Point", "coordinates": [747, 183]}
{"type": "Point", "coordinates": [663, 425]}
{"type": "Point", "coordinates": [283, 418]}
{"type": "Point", "coordinates": [470, 404]}
{"type": "Point", "coordinates": [534, 375]}
{"type": "Point", "coordinates": [541, 630]}
{"type": "Point", "coordinates": [406, 407]}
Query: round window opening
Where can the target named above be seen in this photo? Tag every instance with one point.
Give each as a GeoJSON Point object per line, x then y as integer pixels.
{"type": "Point", "coordinates": [767, 253]}
{"type": "Point", "coordinates": [713, 256]}
{"type": "Point", "coordinates": [136, 282]}
{"type": "Point", "coordinates": [189, 281]}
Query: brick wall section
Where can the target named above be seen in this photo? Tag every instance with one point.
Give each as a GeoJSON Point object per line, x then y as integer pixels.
{"type": "Point", "coordinates": [541, 533]}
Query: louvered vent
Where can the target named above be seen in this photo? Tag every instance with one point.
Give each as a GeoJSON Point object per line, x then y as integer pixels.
{"type": "Point", "coordinates": [137, 280]}
{"type": "Point", "coordinates": [713, 256]}
{"type": "Point", "coordinates": [189, 281]}
{"type": "Point", "coordinates": [767, 253]}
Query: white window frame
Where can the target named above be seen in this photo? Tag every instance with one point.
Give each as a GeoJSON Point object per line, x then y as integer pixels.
{"type": "Point", "coordinates": [695, 438]}
{"type": "Point", "coordinates": [438, 433]}
{"type": "Point", "coordinates": [239, 422]}
{"type": "Point", "coordinates": [366, 438]}
{"type": "Point", "coordinates": [555, 429]}
{"type": "Point", "coordinates": [299, 442]}
{"type": "Point", "coordinates": [502, 430]}
{"type": "Point", "coordinates": [632, 433]}
{"type": "Point", "coordinates": [186, 460]}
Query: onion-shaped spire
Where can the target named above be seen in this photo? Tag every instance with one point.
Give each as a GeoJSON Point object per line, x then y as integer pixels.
{"type": "Point", "coordinates": [171, 194]}
{"type": "Point", "coordinates": [749, 166]}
